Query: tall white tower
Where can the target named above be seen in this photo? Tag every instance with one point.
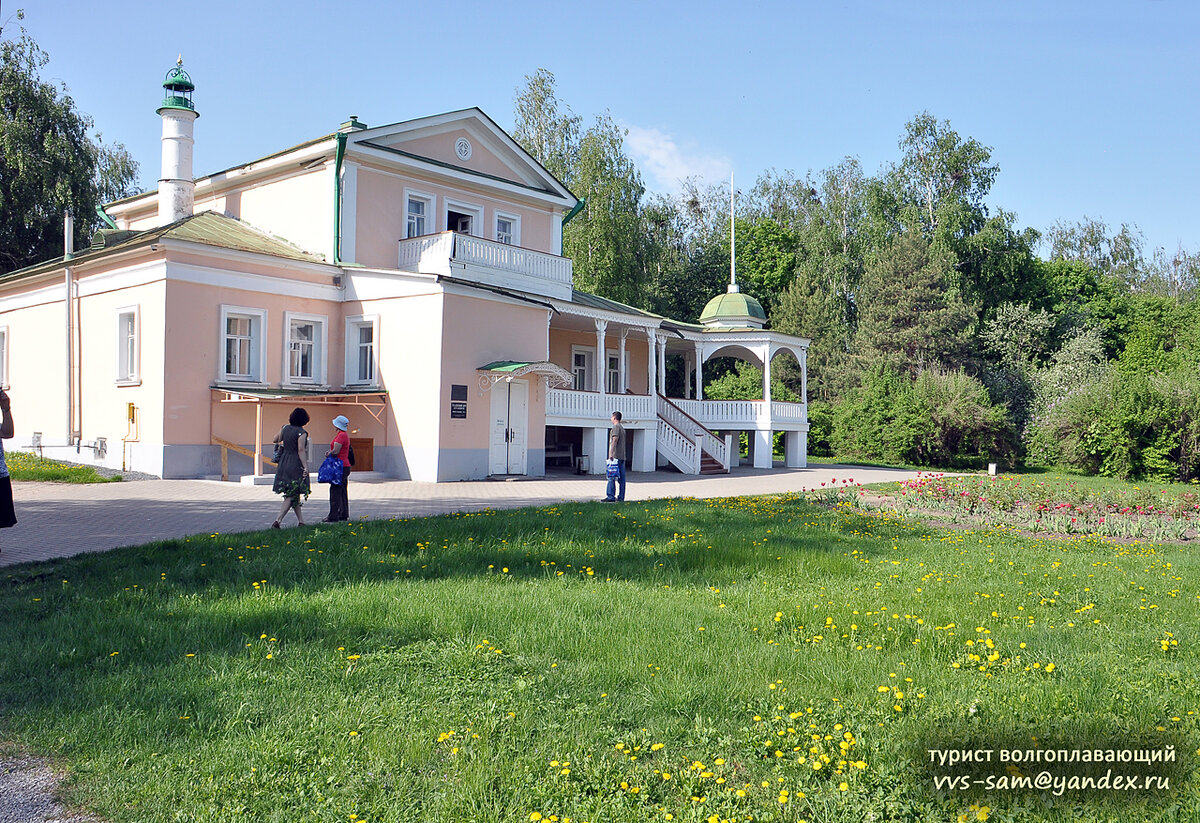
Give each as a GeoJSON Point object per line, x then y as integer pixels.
{"type": "Point", "coordinates": [176, 187]}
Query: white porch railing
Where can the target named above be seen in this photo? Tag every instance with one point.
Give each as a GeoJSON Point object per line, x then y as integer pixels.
{"type": "Point", "coordinates": [745, 414]}
{"type": "Point", "coordinates": [679, 420]}
{"type": "Point", "coordinates": [496, 263]}
{"type": "Point", "coordinates": [595, 408]}
{"type": "Point", "coordinates": [676, 447]}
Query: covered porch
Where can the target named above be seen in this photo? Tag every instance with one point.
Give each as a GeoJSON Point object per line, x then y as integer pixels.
{"type": "Point", "coordinates": [691, 432]}
{"type": "Point", "coordinates": [244, 424]}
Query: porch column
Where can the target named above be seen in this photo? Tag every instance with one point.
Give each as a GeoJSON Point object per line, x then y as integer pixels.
{"type": "Point", "coordinates": [651, 363]}
{"type": "Point", "coordinates": [699, 371]}
{"type": "Point", "coordinates": [258, 439]}
{"type": "Point", "coordinates": [762, 448]}
{"type": "Point", "coordinates": [687, 375]}
{"type": "Point", "coordinates": [622, 378]}
{"type": "Point", "coordinates": [601, 357]}
{"type": "Point", "coordinates": [645, 449]}
{"type": "Point", "coordinates": [661, 346]}
{"type": "Point", "coordinates": [795, 448]}
{"type": "Point", "coordinates": [595, 445]}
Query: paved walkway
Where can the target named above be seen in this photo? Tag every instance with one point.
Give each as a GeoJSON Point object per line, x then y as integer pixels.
{"type": "Point", "coordinates": [59, 520]}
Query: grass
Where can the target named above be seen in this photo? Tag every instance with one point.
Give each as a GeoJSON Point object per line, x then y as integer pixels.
{"type": "Point", "coordinates": [28, 466]}
{"type": "Point", "coordinates": [741, 659]}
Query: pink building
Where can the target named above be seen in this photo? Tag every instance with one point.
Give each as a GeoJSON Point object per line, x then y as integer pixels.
{"type": "Point", "coordinates": [408, 276]}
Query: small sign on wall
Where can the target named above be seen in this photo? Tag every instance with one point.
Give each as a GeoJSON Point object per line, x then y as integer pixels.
{"type": "Point", "coordinates": [458, 402]}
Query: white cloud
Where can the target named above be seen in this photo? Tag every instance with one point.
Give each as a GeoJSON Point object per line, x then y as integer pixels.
{"type": "Point", "coordinates": [665, 165]}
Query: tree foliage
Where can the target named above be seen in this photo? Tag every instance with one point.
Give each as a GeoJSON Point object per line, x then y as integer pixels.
{"type": "Point", "coordinates": [937, 332]}
{"type": "Point", "coordinates": [49, 161]}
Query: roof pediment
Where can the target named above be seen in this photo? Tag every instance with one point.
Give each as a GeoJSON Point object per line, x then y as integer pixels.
{"type": "Point", "coordinates": [465, 142]}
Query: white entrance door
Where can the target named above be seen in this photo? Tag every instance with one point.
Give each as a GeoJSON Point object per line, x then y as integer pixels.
{"type": "Point", "coordinates": [510, 424]}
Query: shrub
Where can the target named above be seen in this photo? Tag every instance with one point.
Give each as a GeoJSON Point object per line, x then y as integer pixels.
{"type": "Point", "coordinates": [935, 419]}
{"type": "Point", "coordinates": [1129, 425]}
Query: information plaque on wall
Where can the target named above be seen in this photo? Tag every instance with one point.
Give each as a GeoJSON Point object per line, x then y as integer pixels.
{"type": "Point", "coordinates": [458, 402]}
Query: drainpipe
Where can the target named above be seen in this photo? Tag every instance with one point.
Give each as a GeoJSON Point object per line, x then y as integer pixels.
{"type": "Point", "coordinates": [108, 221]}
{"type": "Point", "coordinates": [571, 214]}
{"type": "Point", "coordinates": [339, 156]}
{"type": "Point", "coordinates": [68, 253]}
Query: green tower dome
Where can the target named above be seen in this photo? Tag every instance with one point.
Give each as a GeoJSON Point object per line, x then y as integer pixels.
{"type": "Point", "coordinates": [178, 88]}
{"type": "Point", "coordinates": [733, 309]}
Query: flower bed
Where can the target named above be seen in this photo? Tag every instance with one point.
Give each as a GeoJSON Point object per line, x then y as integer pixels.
{"type": "Point", "coordinates": [1054, 506]}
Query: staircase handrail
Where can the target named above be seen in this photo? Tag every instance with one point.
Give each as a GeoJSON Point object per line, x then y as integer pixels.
{"type": "Point", "coordinates": [711, 443]}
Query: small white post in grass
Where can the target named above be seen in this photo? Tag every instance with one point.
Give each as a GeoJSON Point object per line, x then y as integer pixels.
{"type": "Point", "coordinates": [992, 469]}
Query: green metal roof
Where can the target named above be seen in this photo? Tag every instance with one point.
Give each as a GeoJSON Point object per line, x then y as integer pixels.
{"type": "Point", "coordinates": [505, 365]}
{"type": "Point", "coordinates": [595, 301]}
{"type": "Point", "coordinates": [732, 306]}
{"type": "Point", "coordinates": [208, 228]}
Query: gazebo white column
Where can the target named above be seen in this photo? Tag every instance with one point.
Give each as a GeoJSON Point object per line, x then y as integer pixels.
{"type": "Point", "coordinates": [767, 378]}
{"type": "Point", "coordinates": [804, 378]}
{"type": "Point", "coordinates": [601, 357]}
{"type": "Point", "coordinates": [762, 436]}
{"type": "Point", "coordinates": [687, 375]}
{"type": "Point", "coordinates": [699, 371]}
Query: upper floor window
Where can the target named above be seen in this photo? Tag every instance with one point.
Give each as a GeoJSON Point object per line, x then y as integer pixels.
{"type": "Point", "coordinates": [581, 368]}
{"type": "Point", "coordinates": [465, 218]}
{"type": "Point", "coordinates": [242, 344]}
{"type": "Point", "coordinates": [508, 229]}
{"type": "Point", "coordinates": [360, 350]}
{"type": "Point", "coordinates": [305, 352]}
{"type": "Point", "coordinates": [613, 374]}
{"type": "Point", "coordinates": [128, 371]}
{"type": "Point", "coordinates": [420, 211]}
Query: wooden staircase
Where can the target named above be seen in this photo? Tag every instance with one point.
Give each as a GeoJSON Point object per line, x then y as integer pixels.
{"type": "Point", "coordinates": [686, 444]}
{"type": "Point", "coordinates": [710, 464]}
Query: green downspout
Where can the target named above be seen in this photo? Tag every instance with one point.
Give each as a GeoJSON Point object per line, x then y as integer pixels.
{"type": "Point", "coordinates": [103, 216]}
{"type": "Point", "coordinates": [337, 197]}
{"type": "Point", "coordinates": [578, 208]}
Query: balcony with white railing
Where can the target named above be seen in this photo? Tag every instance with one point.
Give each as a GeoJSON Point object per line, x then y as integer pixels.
{"type": "Point", "coordinates": [452, 254]}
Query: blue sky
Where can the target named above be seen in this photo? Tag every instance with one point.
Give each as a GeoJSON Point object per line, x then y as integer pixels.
{"type": "Point", "coordinates": [1090, 107]}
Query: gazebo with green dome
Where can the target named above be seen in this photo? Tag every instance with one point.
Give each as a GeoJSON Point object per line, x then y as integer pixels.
{"type": "Point", "coordinates": [733, 310]}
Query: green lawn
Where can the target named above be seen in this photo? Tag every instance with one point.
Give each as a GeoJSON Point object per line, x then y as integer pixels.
{"type": "Point", "coordinates": [28, 466]}
{"type": "Point", "coordinates": [743, 659]}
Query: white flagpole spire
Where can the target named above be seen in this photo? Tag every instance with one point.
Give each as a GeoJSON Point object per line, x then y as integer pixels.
{"type": "Point", "coordinates": [733, 286]}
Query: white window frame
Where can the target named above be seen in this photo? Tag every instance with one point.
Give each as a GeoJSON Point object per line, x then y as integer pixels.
{"type": "Point", "coordinates": [129, 351]}
{"type": "Point", "coordinates": [612, 377]}
{"type": "Point", "coordinates": [589, 373]}
{"type": "Point", "coordinates": [475, 212]}
{"type": "Point", "coordinates": [320, 344]}
{"type": "Point", "coordinates": [514, 220]}
{"type": "Point", "coordinates": [258, 345]}
{"type": "Point", "coordinates": [431, 213]}
{"type": "Point", "coordinates": [4, 357]}
{"type": "Point", "coordinates": [353, 348]}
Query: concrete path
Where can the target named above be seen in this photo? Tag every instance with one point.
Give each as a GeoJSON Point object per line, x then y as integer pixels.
{"type": "Point", "coordinates": [59, 520]}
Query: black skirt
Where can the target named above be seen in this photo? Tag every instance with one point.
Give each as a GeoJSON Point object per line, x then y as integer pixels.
{"type": "Point", "coordinates": [7, 516]}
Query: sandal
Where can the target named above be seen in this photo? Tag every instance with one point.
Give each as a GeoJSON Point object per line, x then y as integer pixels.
{"type": "Point", "coordinates": [275, 525]}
